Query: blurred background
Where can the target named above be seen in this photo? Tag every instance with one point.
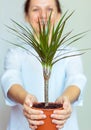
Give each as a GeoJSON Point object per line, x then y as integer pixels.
{"type": "Point", "coordinates": [80, 21]}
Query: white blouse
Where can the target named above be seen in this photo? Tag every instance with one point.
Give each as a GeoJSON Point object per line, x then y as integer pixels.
{"type": "Point", "coordinates": [24, 69]}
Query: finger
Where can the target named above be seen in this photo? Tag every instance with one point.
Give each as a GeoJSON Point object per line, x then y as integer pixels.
{"type": "Point", "coordinates": [63, 111]}
{"type": "Point", "coordinates": [30, 99]}
{"type": "Point", "coordinates": [35, 122]}
{"type": "Point", "coordinates": [32, 111]}
{"type": "Point", "coordinates": [33, 127]}
{"type": "Point", "coordinates": [26, 108]}
{"type": "Point", "coordinates": [33, 117]}
{"type": "Point", "coordinates": [59, 112]}
{"type": "Point", "coordinates": [60, 117]}
{"type": "Point", "coordinates": [35, 111]}
{"type": "Point", "coordinates": [59, 126]}
{"type": "Point", "coordinates": [59, 122]}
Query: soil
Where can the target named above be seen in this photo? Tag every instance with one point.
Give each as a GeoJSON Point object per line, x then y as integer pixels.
{"type": "Point", "coordinates": [49, 106]}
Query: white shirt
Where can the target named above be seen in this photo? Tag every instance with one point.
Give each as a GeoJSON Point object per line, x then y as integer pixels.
{"type": "Point", "coordinates": [24, 69]}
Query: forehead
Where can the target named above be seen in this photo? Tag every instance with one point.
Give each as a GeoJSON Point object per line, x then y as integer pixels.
{"type": "Point", "coordinates": [43, 3]}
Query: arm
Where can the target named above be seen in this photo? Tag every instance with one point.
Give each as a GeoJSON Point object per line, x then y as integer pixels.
{"type": "Point", "coordinates": [75, 82]}
{"type": "Point", "coordinates": [17, 93]}
{"type": "Point", "coordinates": [72, 93]}
{"type": "Point", "coordinates": [69, 96]}
{"type": "Point", "coordinates": [14, 91]}
{"type": "Point", "coordinates": [20, 95]}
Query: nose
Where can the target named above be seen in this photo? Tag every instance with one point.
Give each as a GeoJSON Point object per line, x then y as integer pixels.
{"type": "Point", "coordinates": [43, 16]}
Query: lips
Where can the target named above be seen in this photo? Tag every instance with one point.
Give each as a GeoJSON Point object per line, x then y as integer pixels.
{"type": "Point", "coordinates": [43, 22]}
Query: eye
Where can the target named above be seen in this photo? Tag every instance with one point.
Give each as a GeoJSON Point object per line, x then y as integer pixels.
{"type": "Point", "coordinates": [35, 10]}
{"type": "Point", "coordinates": [50, 9]}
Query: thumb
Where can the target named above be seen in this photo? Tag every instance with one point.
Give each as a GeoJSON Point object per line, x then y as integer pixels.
{"type": "Point", "coordinates": [65, 105]}
{"type": "Point", "coordinates": [28, 101]}
{"type": "Point", "coordinates": [65, 102]}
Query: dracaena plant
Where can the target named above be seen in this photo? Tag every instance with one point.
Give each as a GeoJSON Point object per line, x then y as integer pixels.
{"type": "Point", "coordinates": [50, 44]}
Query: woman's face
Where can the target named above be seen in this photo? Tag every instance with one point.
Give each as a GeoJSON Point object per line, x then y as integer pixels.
{"type": "Point", "coordinates": [40, 10]}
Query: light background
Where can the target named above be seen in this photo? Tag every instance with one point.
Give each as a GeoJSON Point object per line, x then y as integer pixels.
{"type": "Point", "coordinates": [80, 21]}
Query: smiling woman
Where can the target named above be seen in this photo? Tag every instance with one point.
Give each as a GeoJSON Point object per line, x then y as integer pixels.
{"type": "Point", "coordinates": [36, 11]}
{"type": "Point", "coordinates": [22, 69]}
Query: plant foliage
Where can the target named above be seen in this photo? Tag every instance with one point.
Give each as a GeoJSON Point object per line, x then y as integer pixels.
{"type": "Point", "coordinates": [50, 44]}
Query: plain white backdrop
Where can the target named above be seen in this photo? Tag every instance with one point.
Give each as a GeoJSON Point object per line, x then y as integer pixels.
{"type": "Point", "coordinates": [80, 21]}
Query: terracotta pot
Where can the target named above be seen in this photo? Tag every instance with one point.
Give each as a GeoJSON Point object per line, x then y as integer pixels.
{"type": "Point", "coordinates": [48, 125]}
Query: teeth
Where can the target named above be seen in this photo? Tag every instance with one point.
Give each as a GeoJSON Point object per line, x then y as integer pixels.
{"type": "Point", "coordinates": [43, 22]}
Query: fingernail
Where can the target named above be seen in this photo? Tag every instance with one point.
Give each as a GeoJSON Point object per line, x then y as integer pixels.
{"type": "Point", "coordinates": [54, 112]}
{"type": "Point", "coordinates": [53, 121]}
{"type": "Point", "coordinates": [41, 112]}
{"type": "Point", "coordinates": [52, 115]}
{"type": "Point", "coordinates": [30, 105]}
{"type": "Point", "coordinates": [41, 123]}
{"type": "Point", "coordinates": [44, 116]}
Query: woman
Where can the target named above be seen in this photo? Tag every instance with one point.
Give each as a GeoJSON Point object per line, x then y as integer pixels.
{"type": "Point", "coordinates": [22, 81]}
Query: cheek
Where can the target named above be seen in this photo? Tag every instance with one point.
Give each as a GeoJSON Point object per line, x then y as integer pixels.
{"type": "Point", "coordinates": [33, 19]}
{"type": "Point", "coordinates": [54, 18]}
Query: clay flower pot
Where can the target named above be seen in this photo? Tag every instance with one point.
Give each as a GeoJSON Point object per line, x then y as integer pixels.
{"type": "Point", "coordinates": [48, 110]}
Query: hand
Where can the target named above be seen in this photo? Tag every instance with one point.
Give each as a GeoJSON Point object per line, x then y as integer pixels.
{"type": "Point", "coordinates": [31, 114]}
{"type": "Point", "coordinates": [60, 116]}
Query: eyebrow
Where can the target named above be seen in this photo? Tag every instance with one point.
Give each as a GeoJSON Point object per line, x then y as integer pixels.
{"type": "Point", "coordinates": [37, 6]}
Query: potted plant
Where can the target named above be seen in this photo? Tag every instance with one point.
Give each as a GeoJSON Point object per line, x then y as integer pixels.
{"type": "Point", "coordinates": [49, 44]}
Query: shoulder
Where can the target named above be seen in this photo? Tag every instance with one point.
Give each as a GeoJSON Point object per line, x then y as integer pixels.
{"type": "Point", "coordinates": [15, 53]}
{"type": "Point", "coordinates": [14, 57]}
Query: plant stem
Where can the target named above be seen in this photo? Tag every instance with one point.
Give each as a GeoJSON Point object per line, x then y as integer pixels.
{"type": "Point", "coordinates": [46, 74]}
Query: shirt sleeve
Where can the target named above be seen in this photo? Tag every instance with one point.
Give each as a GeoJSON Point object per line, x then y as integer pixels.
{"type": "Point", "coordinates": [12, 74]}
{"type": "Point", "coordinates": [75, 76]}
